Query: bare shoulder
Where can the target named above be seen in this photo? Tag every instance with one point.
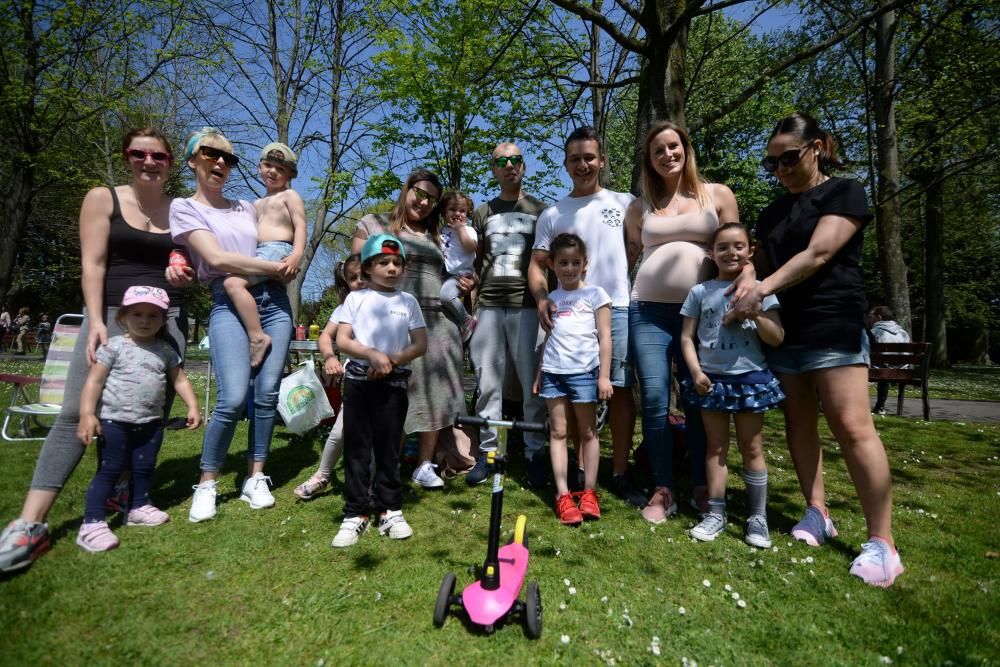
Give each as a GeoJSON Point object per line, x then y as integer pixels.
{"type": "Point", "coordinates": [720, 191]}
{"type": "Point", "coordinates": [100, 197]}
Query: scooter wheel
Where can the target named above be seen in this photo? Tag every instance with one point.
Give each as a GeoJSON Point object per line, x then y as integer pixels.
{"type": "Point", "coordinates": [520, 532]}
{"type": "Point", "coordinates": [444, 599]}
{"type": "Point", "coordinates": [533, 611]}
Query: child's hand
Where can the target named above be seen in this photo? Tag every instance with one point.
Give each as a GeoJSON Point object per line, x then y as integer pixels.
{"type": "Point", "coordinates": [604, 389]}
{"type": "Point", "coordinates": [88, 427]}
{"type": "Point", "coordinates": [380, 363]}
{"type": "Point", "coordinates": [536, 386]}
{"type": "Point", "coordinates": [193, 418]}
{"type": "Point", "coordinates": [333, 368]}
{"type": "Point", "coordinates": [701, 383]}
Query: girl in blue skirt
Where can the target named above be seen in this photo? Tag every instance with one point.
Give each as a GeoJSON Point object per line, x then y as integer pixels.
{"type": "Point", "coordinates": [729, 375]}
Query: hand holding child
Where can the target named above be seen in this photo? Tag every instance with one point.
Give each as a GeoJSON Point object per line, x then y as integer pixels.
{"type": "Point", "coordinates": [88, 427]}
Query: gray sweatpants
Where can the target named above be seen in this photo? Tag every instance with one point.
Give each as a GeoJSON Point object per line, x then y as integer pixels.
{"type": "Point", "coordinates": [62, 450]}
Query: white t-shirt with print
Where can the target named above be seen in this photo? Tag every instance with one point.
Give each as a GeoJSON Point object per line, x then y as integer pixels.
{"type": "Point", "coordinates": [382, 320]}
{"type": "Point", "coordinates": [335, 317]}
{"type": "Point", "coordinates": [457, 261]}
{"type": "Point", "coordinates": [573, 346]}
{"type": "Point", "coordinates": [599, 220]}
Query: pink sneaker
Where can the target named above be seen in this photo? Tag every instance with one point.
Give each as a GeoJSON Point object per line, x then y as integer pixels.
{"type": "Point", "coordinates": [815, 527]}
{"type": "Point", "coordinates": [147, 515]}
{"type": "Point", "coordinates": [878, 564]}
{"type": "Point", "coordinates": [308, 489]}
{"type": "Point", "coordinates": [95, 537]}
{"type": "Point", "coordinates": [660, 506]}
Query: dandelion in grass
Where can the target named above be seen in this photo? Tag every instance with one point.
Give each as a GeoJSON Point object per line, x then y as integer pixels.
{"type": "Point", "coordinates": [885, 660]}
{"type": "Point", "coordinates": [681, 610]}
{"type": "Point", "coordinates": [562, 606]}
{"type": "Point", "coordinates": [565, 582]}
{"type": "Point", "coordinates": [742, 604]}
{"type": "Point", "coordinates": [572, 590]}
{"type": "Point", "coordinates": [706, 583]}
{"type": "Point", "coordinates": [727, 588]}
{"type": "Point", "coordinates": [564, 639]}
{"type": "Point", "coordinates": [899, 650]}
{"type": "Point", "coordinates": [210, 575]}
{"type": "Point", "coordinates": [604, 599]}
{"type": "Point", "coordinates": [736, 596]}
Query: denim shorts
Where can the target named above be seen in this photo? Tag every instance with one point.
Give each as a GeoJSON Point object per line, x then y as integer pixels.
{"type": "Point", "coordinates": [796, 360]}
{"type": "Point", "coordinates": [621, 364]}
{"type": "Point", "coordinates": [577, 387]}
{"type": "Point", "coordinates": [271, 251]}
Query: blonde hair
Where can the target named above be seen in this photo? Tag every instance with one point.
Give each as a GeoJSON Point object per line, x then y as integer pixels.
{"type": "Point", "coordinates": [652, 188]}
{"type": "Point", "coordinates": [195, 140]}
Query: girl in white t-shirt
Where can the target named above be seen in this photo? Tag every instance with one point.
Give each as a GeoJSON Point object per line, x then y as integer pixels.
{"type": "Point", "coordinates": [729, 376]}
{"type": "Point", "coordinates": [381, 331]}
{"type": "Point", "coordinates": [575, 372]}
{"type": "Point", "coordinates": [458, 245]}
{"type": "Point", "coordinates": [347, 278]}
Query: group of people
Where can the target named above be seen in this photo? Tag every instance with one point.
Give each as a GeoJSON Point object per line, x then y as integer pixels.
{"type": "Point", "coordinates": [20, 326]}
{"type": "Point", "coordinates": [748, 321]}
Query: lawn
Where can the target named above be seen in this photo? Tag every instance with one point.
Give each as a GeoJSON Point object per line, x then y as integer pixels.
{"type": "Point", "coordinates": [265, 586]}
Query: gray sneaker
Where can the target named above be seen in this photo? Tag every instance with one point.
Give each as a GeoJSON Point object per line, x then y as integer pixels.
{"type": "Point", "coordinates": [757, 534]}
{"type": "Point", "coordinates": [21, 543]}
{"type": "Point", "coordinates": [710, 527]}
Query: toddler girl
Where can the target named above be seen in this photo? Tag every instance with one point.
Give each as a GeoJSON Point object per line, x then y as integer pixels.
{"type": "Point", "coordinates": [130, 378]}
{"type": "Point", "coordinates": [730, 376]}
{"type": "Point", "coordinates": [347, 278]}
{"type": "Point", "coordinates": [458, 244]}
{"type": "Point", "coordinates": [381, 330]}
{"type": "Point", "coordinates": [575, 372]}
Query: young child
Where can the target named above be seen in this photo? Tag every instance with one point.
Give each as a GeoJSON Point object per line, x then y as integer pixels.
{"type": "Point", "coordinates": [43, 333]}
{"type": "Point", "coordinates": [729, 375]}
{"type": "Point", "coordinates": [575, 372]}
{"type": "Point", "coordinates": [381, 330]}
{"type": "Point", "coordinates": [884, 329]}
{"type": "Point", "coordinates": [347, 278]}
{"type": "Point", "coordinates": [458, 243]}
{"type": "Point", "coordinates": [130, 378]}
{"type": "Point", "coordinates": [22, 325]}
{"type": "Point", "coordinates": [281, 237]}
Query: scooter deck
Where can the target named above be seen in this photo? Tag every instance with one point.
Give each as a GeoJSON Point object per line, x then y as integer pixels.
{"type": "Point", "coordinates": [487, 607]}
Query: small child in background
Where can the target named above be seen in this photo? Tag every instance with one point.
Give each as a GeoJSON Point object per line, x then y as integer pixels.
{"type": "Point", "coordinates": [130, 378]}
{"type": "Point", "coordinates": [575, 371]}
{"type": "Point", "coordinates": [381, 331]}
{"type": "Point", "coordinates": [43, 333]}
{"type": "Point", "coordinates": [347, 278]}
{"type": "Point", "coordinates": [458, 243]}
{"type": "Point", "coordinates": [281, 237]}
{"type": "Point", "coordinates": [884, 329]}
{"type": "Point", "coordinates": [22, 325]}
{"type": "Point", "coordinates": [729, 376]}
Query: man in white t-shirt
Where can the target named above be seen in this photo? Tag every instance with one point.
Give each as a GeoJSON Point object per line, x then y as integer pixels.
{"type": "Point", "coordinates": [596, 215]}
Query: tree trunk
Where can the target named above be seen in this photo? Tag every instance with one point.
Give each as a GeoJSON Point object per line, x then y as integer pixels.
{"type": "Point", "coordinates": [888, 222]}
{"type": "Point", "coordinates": [597, 94]}
{"type": "Point", "coordinates": [935, 318]}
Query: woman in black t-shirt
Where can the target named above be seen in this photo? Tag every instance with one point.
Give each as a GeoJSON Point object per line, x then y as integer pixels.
{"type": "Point", "coordinates": [809, 251]}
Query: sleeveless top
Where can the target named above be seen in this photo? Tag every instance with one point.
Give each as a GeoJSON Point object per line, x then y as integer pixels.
{"type": "Point", "coordinates": [135, 257]}
{"type": "Point", "coordinates": [674, 255]}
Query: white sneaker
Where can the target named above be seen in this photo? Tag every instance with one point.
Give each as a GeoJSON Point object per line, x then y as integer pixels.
{"type": "Point", "coordinates": [350, 531]}
{"type": "Point", "coordinates": [425, 476]}
{"type": "Point", "coordinates": [256, 493]}
{"type": "Point", "coordinates": [203, 503]}
{"type": "Point", "coordinates": [394, 525]}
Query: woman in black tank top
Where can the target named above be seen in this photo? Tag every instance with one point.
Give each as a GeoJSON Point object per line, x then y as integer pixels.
{"type": "Point", "coordinates": [124, 240]}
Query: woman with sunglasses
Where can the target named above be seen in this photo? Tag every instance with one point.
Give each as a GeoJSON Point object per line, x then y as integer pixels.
{"type": "Point", "coordinates": [809, 254]}
{"type": "Point", "coordinates": [670, 226]}
{"type": "Point", "coordinates": [124, 241]}
{"type": "Point", "coordinates": [435, 388]}
{"type": "Point", "coordinates": [221, 234]}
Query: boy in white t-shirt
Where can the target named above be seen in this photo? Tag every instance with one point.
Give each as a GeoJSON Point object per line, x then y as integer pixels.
{"type": "Point", "coordinates": [575, 372]}
{"type": "Point", "coordinates": [458, 244]}
{"type": "Point", "coordinates": [381, 331]}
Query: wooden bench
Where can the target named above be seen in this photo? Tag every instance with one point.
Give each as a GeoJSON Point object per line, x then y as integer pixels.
{"type": "Point", "coordinates": [914, 358]}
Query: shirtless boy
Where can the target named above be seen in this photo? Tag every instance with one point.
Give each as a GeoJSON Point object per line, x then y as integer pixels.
{"type": "Point", "coordinates": [281, 237]}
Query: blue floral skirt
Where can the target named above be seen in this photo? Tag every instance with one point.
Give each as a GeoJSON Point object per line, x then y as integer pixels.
{"type": "Point", "coordinates": [756, 391]}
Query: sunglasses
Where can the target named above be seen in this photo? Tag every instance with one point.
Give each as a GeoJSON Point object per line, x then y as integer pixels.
{"type": "Point", "coordinates": [424, 196]}
{"type": "Point", "coordinates": [504, 160]}
{"type": "Point", "coordinates": [139, 155]}
{"type": "Point", "coordinates": [787, 159]}
{"type": "Point", "coordinates": [213, 154]}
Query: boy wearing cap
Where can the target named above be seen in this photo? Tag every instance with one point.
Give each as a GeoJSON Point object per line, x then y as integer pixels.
{"type": "Point", "coordinates": [281, 237]}
{"type": "Point", "coordinates": [381, 331]}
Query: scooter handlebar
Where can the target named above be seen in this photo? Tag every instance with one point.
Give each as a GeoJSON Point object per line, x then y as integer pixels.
{"type": "Point", "coordinates": [512, 425]}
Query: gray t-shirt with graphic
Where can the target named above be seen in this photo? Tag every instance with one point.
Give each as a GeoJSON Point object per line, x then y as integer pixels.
{"type": "Point", "coordinates": [136, 388]}
{"type": "Point", "coordinates": [506, 231]}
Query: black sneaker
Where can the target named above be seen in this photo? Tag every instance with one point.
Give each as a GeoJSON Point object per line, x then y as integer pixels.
{"type": "Point", "coordinates": [479, 473]}
{"type": "Point", "coordinates": [537, 469]}
{"type": "Point", "coordinates": [622, 487]}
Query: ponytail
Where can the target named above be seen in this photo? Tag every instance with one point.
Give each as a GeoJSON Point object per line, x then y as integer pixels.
{"type": "Point", "coordinates": [806, 128]}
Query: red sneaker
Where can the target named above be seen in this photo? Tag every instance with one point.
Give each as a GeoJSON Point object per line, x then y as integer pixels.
{"type": "Point", "coordinates": [567, 511]}
{"type": "Point", "coordinates": [588, 505]}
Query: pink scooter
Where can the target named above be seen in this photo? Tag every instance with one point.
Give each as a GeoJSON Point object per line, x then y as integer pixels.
{"type": "Point", "coordinates": [493, 598]}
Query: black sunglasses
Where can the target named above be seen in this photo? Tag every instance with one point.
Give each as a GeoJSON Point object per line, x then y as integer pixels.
{"type": "Point", "coordinates": [504, 160]}
{"type": "Point", "coordinates": [789, 158]}
{"type": "Point", "coordinates": [424, 196]}
{"type": "Point", "coordinates": [213, 154]}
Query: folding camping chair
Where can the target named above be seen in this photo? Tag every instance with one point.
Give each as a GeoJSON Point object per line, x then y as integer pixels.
{"type": "Point", "coordinates": [49, 398]}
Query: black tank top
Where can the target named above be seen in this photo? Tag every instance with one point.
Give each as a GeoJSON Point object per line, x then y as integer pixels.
{"type": "Point", "coordinates": [135, 257]}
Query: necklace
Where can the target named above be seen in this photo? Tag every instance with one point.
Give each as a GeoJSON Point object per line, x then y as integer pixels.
{"type": "Point", "coordinates": [147, 220]}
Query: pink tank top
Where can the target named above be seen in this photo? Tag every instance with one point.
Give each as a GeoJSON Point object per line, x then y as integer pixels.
{"type": "Point", "coordinates": [674, 255]}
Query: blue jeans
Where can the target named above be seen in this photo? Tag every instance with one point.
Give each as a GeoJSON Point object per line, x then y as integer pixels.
{"type": "Point", "coordinates": [654, 339]}
{"type": "Point", "coordinates": [230, 350]}
{"type": "Point", "coordinates": [123, 447]}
